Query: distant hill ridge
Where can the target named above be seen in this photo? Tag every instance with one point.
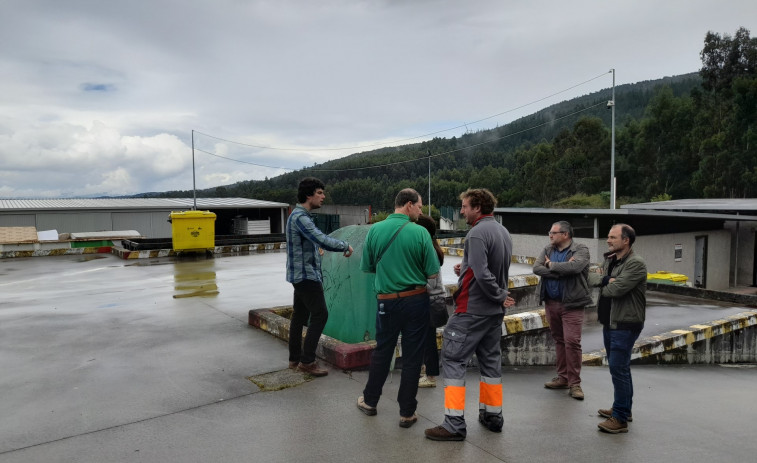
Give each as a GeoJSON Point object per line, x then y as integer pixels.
{"type": "Point", "coordinates": [374, 185]}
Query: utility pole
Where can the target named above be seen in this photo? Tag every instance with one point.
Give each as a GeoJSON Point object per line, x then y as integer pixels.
{"type": "Point", "coordinates": [429, 182]}
{"type": "Point", "coordinates": [611, 103]}
{"type": "Point", "coordinates": [194, 185]}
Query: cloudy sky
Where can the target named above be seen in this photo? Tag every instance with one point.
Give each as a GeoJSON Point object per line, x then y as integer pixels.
{"type": "Point", "coordinates": [101, 97]}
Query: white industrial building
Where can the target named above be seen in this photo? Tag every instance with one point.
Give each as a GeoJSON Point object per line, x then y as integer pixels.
{"type": "Point", "coordinates": [148, 216]}
{"type": "Point", "coordinates": [715, 250]}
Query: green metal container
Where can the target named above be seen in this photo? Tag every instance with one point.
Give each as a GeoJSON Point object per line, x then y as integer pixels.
{"type": "Point", "coordinates": [348, 290]}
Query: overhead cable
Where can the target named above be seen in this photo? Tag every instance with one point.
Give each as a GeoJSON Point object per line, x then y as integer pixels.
{"type": "Point", "coordinates": [406, 139]}
{"type": "Point", "coordinates": [417, 159]}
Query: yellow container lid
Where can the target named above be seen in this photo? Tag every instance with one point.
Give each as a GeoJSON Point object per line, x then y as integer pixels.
{"type": "Point", "coordinates": [192, 215]}
{"type": "Point", "coordinates": [664, 275]}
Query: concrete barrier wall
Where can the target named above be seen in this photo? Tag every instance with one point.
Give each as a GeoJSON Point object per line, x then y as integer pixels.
{"type": "Point", "coordinates": [526, 339]}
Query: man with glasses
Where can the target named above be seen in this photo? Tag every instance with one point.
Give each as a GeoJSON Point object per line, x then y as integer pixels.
{"type": "Point", "coordinates": [563, 266]}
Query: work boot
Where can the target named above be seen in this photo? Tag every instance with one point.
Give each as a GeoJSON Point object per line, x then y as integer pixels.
{"type": "Point", "coordinates": [492, 422]}
{"type": "Point", "coordinates": [556, 383]}
{"type": "Point", "coordinates": [607, 413]}
{"type": "Point", "coordinates": [312, 369]}
{"type": "Point", "coordinates": [365, 408]}
{"type": "Point", "coordinates": [613, 426]}
{"type": "Point", "coordinates": [441, 434]}
{"type": "Point", "coordinates": [407, 421]}
{"type": "Point", "coordinates": [576, 392]}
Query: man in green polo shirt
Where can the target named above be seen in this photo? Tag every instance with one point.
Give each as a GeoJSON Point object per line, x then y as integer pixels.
{"type": "Point", "coordinates": [402, 256]}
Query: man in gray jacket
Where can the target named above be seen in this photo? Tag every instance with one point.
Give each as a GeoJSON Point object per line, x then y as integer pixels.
{"type": "Point", "coordinates": [563, 267]}
{"type": "Point", "coordinates": [476, 325]}
{"type": "Point", "coordinates": [621, 310]}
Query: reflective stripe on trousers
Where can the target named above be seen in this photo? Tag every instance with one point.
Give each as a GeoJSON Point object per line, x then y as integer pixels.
{"type": "Point", "coordinates": [454, 397]}
{"type": "Point", "coordinates": [490, 395]}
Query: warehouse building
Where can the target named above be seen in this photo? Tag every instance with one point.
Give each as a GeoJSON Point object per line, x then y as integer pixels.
{"type": "Point", "coordinates": [148, 216]}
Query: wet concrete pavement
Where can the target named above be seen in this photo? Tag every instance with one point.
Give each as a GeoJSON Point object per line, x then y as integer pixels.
{"type": "Point", "coordinates": [101, 362]}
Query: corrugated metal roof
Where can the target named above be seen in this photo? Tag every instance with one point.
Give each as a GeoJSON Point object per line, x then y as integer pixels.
{"type": "Point", "coordinates": [134, 203]}
{"type": "Point", "coordinates": [712, 204]}
{"type": "Point", "coordinates": [625, 213]}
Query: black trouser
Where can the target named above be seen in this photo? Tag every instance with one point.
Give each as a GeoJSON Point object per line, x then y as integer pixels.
{"type": "Point", "coordinates": [431, 353]}
{"type": "Point", "coordinates": [308, 302]}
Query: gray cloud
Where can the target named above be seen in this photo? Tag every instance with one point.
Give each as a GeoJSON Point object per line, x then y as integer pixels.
{"type": "Point", "coordinates": [102, 98]}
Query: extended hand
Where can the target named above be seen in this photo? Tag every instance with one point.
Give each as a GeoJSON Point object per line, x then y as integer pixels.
{"type": "Point", "coordinates": [348, 252]}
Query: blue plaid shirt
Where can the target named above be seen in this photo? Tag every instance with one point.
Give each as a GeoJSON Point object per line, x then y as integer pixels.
{"type": "Point", "coordinates": [303, 241]}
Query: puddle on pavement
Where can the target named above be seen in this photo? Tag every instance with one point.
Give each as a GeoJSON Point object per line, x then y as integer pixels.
{"type": "Point", "coordinates": [90, 257]}
{"type": "Point", "coordinates": [195, 279]}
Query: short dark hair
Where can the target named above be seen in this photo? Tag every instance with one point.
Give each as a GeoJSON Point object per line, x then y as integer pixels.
{"type": "Point", "coordinates": [480, 197]}
{"type": "Point", "coordinates": [307, 187]}
{"type": "Point", "coordinates": [565, 226]}
{"type": "Point", "coordinates": [429, 224]}
{"type": "Point", "coordinates": [626, 231]}
{"type": "Point", "coordinates": [405, 196]}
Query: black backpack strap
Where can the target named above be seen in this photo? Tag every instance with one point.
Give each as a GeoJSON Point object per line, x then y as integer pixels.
{"type": "Point", "coordinates": [390, 243]}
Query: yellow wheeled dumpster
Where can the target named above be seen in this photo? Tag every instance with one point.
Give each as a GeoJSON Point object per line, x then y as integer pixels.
{"type": "Point", "coordinates": [193, 230]}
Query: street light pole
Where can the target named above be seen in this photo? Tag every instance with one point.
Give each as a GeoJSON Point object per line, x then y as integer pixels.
{"type": "Point", "coordinates": [612, 145]}
{"type": "Point", "coordinates": [194, 185]}
{"type": "Point", "coordinates": [429, 183]}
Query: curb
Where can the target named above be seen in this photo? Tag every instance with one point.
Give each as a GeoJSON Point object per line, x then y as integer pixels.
{"type": "Point", "coordinates": [235, 249]}
{"type": "Point", "coordinates": [55, 252]}
{"type": "Point", "coordinates": [345, 356]}
{"type": "Point", "coordinates": [651, 346]}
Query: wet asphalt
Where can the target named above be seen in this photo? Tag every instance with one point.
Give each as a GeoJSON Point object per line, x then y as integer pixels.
{"type": "Point", "coordinates": [104, 359]}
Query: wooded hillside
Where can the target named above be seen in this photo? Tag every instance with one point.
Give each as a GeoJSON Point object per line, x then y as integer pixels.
{"type": "Point", "coordinates": [690, 136]}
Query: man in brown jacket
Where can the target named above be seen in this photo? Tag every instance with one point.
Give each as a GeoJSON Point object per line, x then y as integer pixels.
{"type": "Point", "coordinates": [563, 267]}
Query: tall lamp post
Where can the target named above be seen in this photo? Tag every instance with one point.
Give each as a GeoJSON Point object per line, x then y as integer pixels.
{"type": "Point", "coordinates": [428, 152]}
{"type": "Point", "coordinates": [611, 105]}
{"type": "Point", "coordinates": [194, 186]}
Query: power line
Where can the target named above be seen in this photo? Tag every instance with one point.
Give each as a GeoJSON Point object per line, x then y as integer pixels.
{"type": "Point", "coordinates": [463, 148]}
{"type": "Point", "coordinates": [417, 159]}
{"type": "Point", "coordinates": [411, 138]}
{"type": "Point", "coordinates": [243, 162]}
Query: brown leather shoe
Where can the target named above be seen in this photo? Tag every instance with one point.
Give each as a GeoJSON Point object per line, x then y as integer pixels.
{"type": "Point", "coordinates": [441, 434]}
{"type": "Point", "coordinates": [556, 383]}
{"type": "Point", "coordinates": [576, 392]}
{"type": "Point", "coordinates": [312, 369]}
{"type": "Point", "coordinates": [293, 365]}
{"type": "Point", "coordinates": [607, 413]}
{"type": "Point", "coordinates": [613, 426]}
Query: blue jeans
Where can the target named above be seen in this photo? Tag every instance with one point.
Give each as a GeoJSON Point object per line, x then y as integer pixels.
{"type": "Point", "coordinates": [408, 316]}
{"type": "Point", "coordinates": [618, 345]}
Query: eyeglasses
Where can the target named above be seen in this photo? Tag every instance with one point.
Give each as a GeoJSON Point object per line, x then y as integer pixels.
{"type": "Point", "coordinates": [555, 233]}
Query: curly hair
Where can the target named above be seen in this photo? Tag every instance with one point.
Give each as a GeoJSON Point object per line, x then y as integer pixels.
{"type": "Point", "coordinates": [307, 187]}
{"type": "Point", "coordinates": [480, 197]}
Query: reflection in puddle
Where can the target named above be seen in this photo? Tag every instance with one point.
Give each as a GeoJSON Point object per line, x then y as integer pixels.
{"type": "Point", "coordinates": [195, 279]}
